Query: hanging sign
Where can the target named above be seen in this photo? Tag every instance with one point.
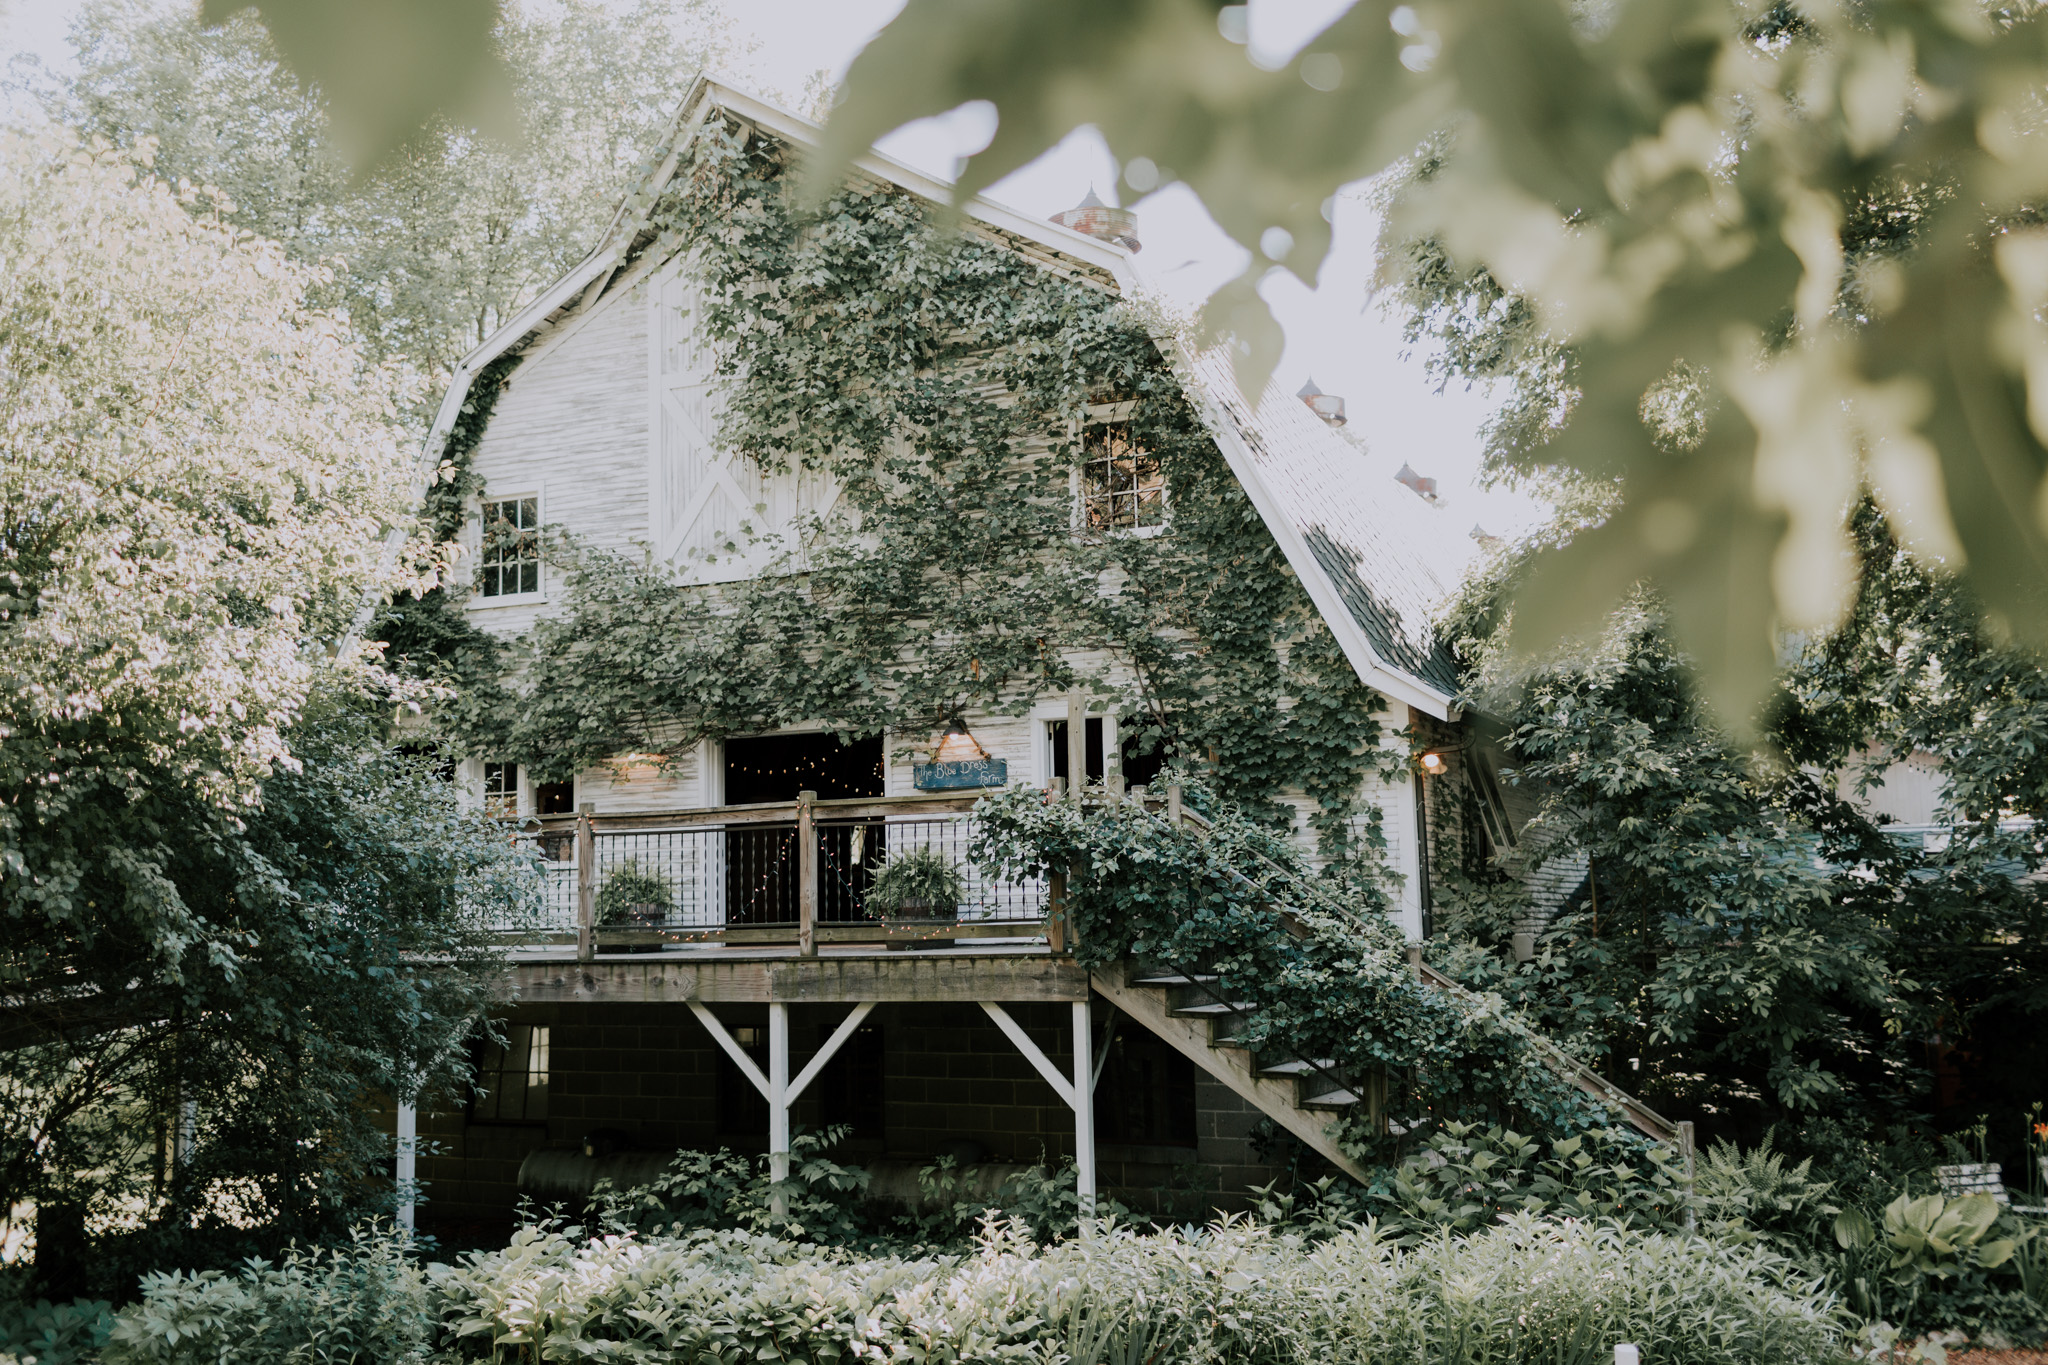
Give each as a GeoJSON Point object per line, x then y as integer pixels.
{"type": "Point", "coordinates": [941, 777]}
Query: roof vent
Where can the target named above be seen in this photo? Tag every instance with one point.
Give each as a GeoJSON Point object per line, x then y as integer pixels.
{"type": "Point", "coordinates": [1097, 219]}
{"type": "Point", "coordinates": [1424, 488]}
{"type": "Point", "coordinates": [1327, 406]}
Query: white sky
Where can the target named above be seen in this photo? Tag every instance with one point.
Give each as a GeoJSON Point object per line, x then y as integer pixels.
{"type": "Point", "coordinates": [1334, 332]}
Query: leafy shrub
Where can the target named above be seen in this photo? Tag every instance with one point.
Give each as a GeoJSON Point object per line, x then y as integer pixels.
{"type": "Point", "coordinates": [1466, 1178]}
{"type": "Point", "coordinates": [722, 1189]}
{"type": "Point", "coordinates": [626, 886]}
{"type": "Point", "coordinates": [53, 1333]}
{"type": "Point", "coordinates": [365, 1303]}
{"type": "Point", "coordinates": [1761, 1194]}
{"type": "Point", "coordinates": [1524, 1291]}
{"type": "Point", "coordinates": [922, 877]}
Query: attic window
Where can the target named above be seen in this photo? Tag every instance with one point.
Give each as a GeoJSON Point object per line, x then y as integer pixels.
{"type": "Point", "coordinates": [511, 547]}
{"type": "Point", "coordinates": [1123, 487]}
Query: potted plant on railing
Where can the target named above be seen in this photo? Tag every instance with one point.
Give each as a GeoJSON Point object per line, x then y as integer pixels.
{"type": "Point", "coordinates": [918, 887]}
{"type": "Point", "coordinates": [631, 898]}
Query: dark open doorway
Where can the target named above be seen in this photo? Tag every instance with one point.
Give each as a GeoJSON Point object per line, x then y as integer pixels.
{"type": "Point", "coordinates": [777, 767]}
{"type": "Point", "coordinates": [761, 860]}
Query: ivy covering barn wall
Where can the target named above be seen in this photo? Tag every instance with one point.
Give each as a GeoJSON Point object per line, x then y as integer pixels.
{"type": "Point", "coordinates": [941, 378]}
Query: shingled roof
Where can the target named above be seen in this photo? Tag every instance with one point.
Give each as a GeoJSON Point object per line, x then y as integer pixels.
{"type": "Point", "coordinates": [1349, 535]}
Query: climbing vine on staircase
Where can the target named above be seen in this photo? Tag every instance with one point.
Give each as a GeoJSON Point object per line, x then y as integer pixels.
{"type": "Point", "coordinates": [940, 378]}
{"type": "Point", "coordinates": [1322, 971]}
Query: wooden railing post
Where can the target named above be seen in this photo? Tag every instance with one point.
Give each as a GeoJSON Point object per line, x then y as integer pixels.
{"type": "Point", "coordinates": [1173, 804]}
{"type": "Point", "coordinates": [1077, 746]}
{"type": "Point", "coordinates": [806, 875]}
{"type": "Point", "coordinates": [586, 884]}
{"type": "Point", "coordinates": [1056, 912]}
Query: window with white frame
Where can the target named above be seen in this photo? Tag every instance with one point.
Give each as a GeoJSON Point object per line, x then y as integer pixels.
{"type": "Point", "coordinates": [1122, 487]}
{"type": "Point", "coordinates": [501, 788]}
{"type": "Point", "coordinates": [510, 562]}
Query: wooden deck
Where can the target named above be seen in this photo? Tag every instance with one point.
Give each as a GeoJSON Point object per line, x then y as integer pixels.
{"type": "Point", "coordinates": [784, 975]}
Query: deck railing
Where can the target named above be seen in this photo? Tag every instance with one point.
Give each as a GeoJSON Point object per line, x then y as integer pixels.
{"type": "Point", "coordinates": [790, 872]}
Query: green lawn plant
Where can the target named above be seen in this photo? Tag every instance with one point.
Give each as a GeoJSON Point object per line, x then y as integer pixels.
{"type": "Point", "coordinates": [920, 883]}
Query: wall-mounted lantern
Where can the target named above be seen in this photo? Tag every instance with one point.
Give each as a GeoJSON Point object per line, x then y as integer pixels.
{"type": "Point", "coordinates": [959, 763]}
{"type": "Point", "coordinates": [1436, 762]}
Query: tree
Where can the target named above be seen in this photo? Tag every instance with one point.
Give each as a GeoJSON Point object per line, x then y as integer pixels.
{"type": "Point", "coordinates": [1750, 938]}
{"type": "Point", "coordinates": [218, 885]}
{"type": "Point", "coordinates": [455, 230]}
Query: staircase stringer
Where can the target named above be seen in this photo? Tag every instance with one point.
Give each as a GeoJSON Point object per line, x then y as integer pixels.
{"type": "Point", "coordinates": [1235, 1067]}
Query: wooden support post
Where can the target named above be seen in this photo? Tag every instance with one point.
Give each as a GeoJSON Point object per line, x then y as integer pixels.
{"type": "Point", "coordinates": [1112, 758]}
{"type": "Point", "coordinates": [1685, 1164]}
{"type": "Point", "coordinates": [1084, 1113]}
{"type": "Point", "coordinates": [806, 875]}
{"type": "Point", "coordinates": [407, 1167]}
{"type": "Point", "coordinates": [586, 884]}
{"type": "Point", "coordinates": [1077, 746]}
{"type": "Point", "coordinates": [778, 1111]}
{"type": "Point", "coordinates": [1173, 804]}
{"type": "Point", "coordinates": [1056, 912]}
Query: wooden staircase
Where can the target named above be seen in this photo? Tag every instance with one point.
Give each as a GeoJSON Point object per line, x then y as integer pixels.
{"type": "Point", "coordinates": [1309, 1097]}
{"type": "Point", "coordinates": [1304, 1096]}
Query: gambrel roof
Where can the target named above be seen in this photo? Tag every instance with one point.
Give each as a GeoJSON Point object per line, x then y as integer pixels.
{"type": "Point", "coordinates": [1344, 535]}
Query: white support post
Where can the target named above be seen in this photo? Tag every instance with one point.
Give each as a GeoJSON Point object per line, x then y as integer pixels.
{"type": "Point", "coordinates": [1077, 1091]}
{"type": "Point", "coordinates": [778, 1110]}
{"type": "Point", "coordinates": [185, 1137]}
{"type": "Point", "coordinates": [408, 1162]}
{"type": "Point", "coordinates": [1084, 1113]}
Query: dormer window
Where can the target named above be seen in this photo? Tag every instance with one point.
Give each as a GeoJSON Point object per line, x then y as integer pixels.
{"type": "Point", "coordinates": [1122, 486]}
{"type": "Point", "coordinates": [511, 547]}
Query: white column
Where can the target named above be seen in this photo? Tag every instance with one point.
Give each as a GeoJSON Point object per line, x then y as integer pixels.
{"type": "Point", "coordinates": [408, 1166]}
{"type": "Point", "coordinates": [1084, 1111]}
{"type": "Point", "coordinates": [185, 1137]}
{"type": "Point", "coordinates": [778, 1107]}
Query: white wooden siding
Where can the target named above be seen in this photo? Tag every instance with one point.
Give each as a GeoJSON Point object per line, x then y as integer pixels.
{"type": "Point", "coordinates": [715, 516]}
{"type": "Point", "coordinates": [574, 421]}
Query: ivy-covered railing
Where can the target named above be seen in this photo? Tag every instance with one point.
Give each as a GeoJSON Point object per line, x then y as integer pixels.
{"type": "Point", "coordinates": [1310, 956]}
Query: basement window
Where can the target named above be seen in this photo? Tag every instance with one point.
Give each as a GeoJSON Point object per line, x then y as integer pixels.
{"type": "Point", "coordinates": [512, 1078]}
{"type": "Point", "coordinates": [511, 547]}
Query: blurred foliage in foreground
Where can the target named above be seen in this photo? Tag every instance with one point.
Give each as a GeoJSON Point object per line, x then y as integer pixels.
{"type": "Point", "coordinates": [1787, 252]}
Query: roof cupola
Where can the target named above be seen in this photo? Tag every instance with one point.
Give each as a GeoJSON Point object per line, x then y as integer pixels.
{"type": "Point", "coordinates": [1327, 406]}
{"type": "Point", "coordinates": [1104, 221]}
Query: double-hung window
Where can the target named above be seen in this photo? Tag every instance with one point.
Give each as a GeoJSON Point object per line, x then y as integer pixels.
{"type": "Point", "coordinates": [1122, 486]}
{"type": "Point", "coordinates": [511, 547]}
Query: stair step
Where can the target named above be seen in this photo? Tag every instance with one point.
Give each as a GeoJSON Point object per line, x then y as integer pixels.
{"type": "Point", "coordinates": [1298, 1067]}
{"type": "Point", "coordinates": [1331, 1099]}
{"type": "Point", "coordinates": [1173, 979]}
{"type": "Point", "coordinates": [1213, 1011]}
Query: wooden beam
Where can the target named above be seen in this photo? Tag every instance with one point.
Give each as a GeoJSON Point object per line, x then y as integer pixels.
{"type": "Point", "coordinates": [950, 976]}
{"type": "Point", "coordinates": [1014, 1031]}
{"type": "Point", "coordinates": [831, 1048]}
{"type": "Point", "coordinates": [740, 1059]}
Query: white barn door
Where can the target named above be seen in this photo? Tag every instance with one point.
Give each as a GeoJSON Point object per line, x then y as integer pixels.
{"type": "Point", "coordinates": [715, 516]}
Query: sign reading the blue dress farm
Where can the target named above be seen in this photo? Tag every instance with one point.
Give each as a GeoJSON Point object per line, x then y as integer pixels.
{"type": "Point", "coordinates": [940, 777]}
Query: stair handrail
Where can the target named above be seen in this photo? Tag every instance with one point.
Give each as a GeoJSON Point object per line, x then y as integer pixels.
{"type": "Point", "coordinates": [1639, 1115]}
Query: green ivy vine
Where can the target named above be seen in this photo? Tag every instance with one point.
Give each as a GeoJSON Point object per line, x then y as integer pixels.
{"type": "Point", "coordinates": [939, 377]}
{"type": "Point", "coordinates": [1320, 967]}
